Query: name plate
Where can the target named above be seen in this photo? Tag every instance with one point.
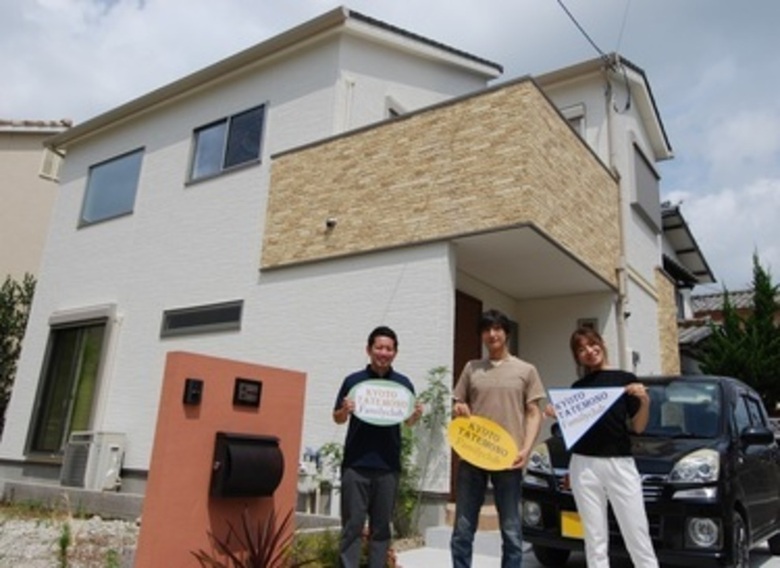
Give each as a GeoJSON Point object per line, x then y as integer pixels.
{"type": "Point", "coordinates": [382, 402]}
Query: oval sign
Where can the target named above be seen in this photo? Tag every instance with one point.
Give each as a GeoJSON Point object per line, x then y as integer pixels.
{"type": "Point", "coordinates": [482, 442]}
{"type": "Point", "coordinates": [382, 402]}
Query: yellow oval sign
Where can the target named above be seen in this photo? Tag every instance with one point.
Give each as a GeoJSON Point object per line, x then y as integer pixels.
{"type": "Point", "coordinates": [482, 442]}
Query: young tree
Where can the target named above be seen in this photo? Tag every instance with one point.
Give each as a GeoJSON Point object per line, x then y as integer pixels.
{"type": "Point", "coordinates": [15, 300]}
{"type": "Point", "coordinates": [748, 348]}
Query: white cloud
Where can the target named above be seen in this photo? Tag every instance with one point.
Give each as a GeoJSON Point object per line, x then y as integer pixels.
{"type": "Point", "coordinates": [712, 66]}
{"type": "Point", "coordinates": [733, 223]}
{"type": "Point", "coordinates": [742, 142]}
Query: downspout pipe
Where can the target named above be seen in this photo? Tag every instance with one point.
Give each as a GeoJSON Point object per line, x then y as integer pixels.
{"type": "Point", "coordinates": [621, 302]}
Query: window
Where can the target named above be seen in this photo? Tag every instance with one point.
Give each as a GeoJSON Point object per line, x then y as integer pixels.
{"type": "Point", "coordinates": [202, 319]}
{"type": "Point", "coordinates": [741, 415]}
{"type": "Point", "coordinates": [69, 383]}
{"type": "Point", "coordinates": [111, 188]}
{"type": "Point", "coordinates": [575, 116]}
{"type": "Point", "coordinates": [590, 323]}
{"type": "Point", "coordinates": [228, 143]}
{"type": "Point", "coordinates": [648, 197]}
{"type": "Point", "coordinates": [755, 409]}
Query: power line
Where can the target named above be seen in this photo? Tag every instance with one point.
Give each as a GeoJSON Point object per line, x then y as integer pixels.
{"type": "Point", "coordinates": [603, 55]}
{"type": "Point", "coordinates": [622, 26]}
{"type": "Point", "coordinates": [608, 62]}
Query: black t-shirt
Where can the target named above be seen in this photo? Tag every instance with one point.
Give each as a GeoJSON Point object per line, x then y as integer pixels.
{"type": "Point", "coordinates": [609, 436]}
{"type": "Point", "coordinates": [366, 445]}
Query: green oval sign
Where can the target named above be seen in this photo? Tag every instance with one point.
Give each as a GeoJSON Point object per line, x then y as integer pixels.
{"type": "Point", "coordinates": [382, 402]}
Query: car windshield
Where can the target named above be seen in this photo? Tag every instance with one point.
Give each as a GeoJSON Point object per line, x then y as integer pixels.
{"type": "Point", "coordinates": [684, 409]}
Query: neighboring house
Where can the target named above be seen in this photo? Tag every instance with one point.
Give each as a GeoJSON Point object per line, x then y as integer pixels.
{"type": "Point", "coordinates": [707, 309]}
{"type": "Point", "coordinates": [28, 171]}
{"type": "Point", "coordinates": [277, 205]}
{"type": "Point", "coordinates": [710, 306]}
{"type": "Point", "coordinates": [683, 259]}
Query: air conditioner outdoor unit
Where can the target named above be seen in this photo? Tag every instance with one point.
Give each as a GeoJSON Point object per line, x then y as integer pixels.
{"type": "Point", "coordinates": [93, 460]}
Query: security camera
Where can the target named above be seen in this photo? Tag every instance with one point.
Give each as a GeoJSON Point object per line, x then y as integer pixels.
{"type": "Point", "coordinates": [331, 222]}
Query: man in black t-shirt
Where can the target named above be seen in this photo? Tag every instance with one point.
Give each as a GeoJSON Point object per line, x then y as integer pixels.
{"type": "Point", "coordinates": [371, 466]}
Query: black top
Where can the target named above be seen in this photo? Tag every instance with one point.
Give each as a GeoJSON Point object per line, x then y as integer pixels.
{"type": "Point", "coordinates": [367, 445]}
{"type": "Point", "coordinates": [609, 436]}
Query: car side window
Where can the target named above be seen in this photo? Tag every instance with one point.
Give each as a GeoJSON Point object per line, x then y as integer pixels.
{"type": "Point", "coordinates": [741, 415]}
{"type": "Point", "coordinates": [755, 411]}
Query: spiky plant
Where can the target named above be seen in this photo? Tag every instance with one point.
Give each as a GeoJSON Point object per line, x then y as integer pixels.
{"type": "Point", "coordinates": [261, 544]}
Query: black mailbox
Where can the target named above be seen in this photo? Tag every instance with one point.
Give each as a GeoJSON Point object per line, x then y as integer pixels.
{"type": "Point", "coordinates": [246, 465]}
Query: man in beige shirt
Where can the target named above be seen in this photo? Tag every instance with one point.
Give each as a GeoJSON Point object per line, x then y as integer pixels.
{"type": "Point", "coordinates": [508, 391]}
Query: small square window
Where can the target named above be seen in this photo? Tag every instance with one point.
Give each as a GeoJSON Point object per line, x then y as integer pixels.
{"type": "Point", "coordinates": [589, 323]}
{"type": "Point", "coordinates": [575, 116]}
{"type": "Point", "coordinates": [111, 188]}
{"type": "Point", "coordinates": [228, 143]}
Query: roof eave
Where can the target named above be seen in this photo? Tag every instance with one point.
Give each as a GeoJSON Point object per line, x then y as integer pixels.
{"type": "Point", "coordinates": [293, 38]}
{"type": "Point", "coordinates": [199, 79]}
{"type": "Point", "coordinates": [640, 90]}
{"type": "Point", "coordinates": [673, 219]}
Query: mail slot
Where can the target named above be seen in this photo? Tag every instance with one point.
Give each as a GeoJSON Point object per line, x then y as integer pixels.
{"type": "Point", "coordinates": [246, 465]}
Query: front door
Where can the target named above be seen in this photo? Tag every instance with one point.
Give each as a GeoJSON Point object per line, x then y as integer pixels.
{"type": "Point", "coordinates": [468, 310]}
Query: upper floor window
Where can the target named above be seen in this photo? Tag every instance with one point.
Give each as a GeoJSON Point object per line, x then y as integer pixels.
{"type": "Point", "coordinates": [647, 200]}
{"type": "Point", "coordinates": [228, 143]}
{"type": "Point", "coordinates": [575, 116]}
{"type": "Point", "coordinates": [111, 188]}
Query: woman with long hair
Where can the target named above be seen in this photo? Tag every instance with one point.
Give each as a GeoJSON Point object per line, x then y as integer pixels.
{"type": "Point", "coordinates": [602, 469]}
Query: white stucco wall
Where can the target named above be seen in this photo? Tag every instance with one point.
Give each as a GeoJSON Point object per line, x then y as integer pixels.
{"type": "Point", "coordinates": [581, 92]}
{"type": "Point", "coordinates": [188, 245]}
{"type": "Point", "coordinates": [642, 244]}
{"type": "Point", "coordinates": [642, 334]}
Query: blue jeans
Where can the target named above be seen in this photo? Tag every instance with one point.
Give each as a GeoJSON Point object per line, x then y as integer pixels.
{"type": "Point", "coordinates": [507, 490]}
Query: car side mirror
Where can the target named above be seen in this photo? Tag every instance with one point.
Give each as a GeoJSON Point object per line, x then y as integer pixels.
{"type": "Point", "coordinates": [752, 436]}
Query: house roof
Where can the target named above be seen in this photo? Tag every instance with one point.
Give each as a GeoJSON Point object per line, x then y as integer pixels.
{"type": "Point", "coordinates": [337, 20]}
{"type": "Point", "coordinates": [680, 238]}
{"type": "Point", "coordinates": [34, 126]}
{"type": "Point", "coordinates": [621, 69]}
{"type": "Point", "coordinates": [739, 299]}
{"type": "Point", "coordinates": [692, 332]}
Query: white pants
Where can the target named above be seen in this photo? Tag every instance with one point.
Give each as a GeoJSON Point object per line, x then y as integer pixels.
{"type": "Point", "coordinates": [593, 482]}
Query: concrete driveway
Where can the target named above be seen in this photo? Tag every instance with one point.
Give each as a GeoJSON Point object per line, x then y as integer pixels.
{"type": "Point", "coordinates": [430, 557]}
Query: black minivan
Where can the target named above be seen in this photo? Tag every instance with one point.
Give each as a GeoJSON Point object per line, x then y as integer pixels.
{"type": "Point", "coordinates": [710, 469]}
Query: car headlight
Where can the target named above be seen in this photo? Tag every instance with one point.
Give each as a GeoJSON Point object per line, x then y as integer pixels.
{"type": "Point", "coordinates": [702, 533]}
{"type": "Point", "coordinates": [532, 513]}
{"type": "Point", "coordinates": [539, 460]}
{"type": "Point", "coordinates": [701, 466]}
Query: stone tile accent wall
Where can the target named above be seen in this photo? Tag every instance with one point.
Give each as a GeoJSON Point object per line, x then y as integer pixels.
{"type": "Point", "coordinates": [501, 158]}
{"type": "Point", "coordinates": [667, 324]}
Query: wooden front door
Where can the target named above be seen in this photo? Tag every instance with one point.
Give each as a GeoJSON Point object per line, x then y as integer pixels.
{"type": "Point", "coordinates": [468, 310]}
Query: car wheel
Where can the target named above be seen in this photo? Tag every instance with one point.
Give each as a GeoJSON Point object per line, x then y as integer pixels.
{"type": "Point", "coordinates": [551, 557]}
{"type": "Point", "coordinates": [739, 543]}
{"type": "Point", "coordinates": [774, 545]}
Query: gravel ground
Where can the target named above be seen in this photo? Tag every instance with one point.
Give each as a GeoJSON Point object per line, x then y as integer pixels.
{"type": "Point", "coordinates": [94, 543]}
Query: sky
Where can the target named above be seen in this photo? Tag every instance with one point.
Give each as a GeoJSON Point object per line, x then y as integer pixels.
{"type": "Point", "coordinates": [713, 67]}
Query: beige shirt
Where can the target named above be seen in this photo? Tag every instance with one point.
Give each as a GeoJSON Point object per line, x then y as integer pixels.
{"type": "Point", "coordinates": [500, 391]}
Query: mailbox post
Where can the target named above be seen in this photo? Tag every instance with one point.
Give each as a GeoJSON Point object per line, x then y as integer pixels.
{"type": "Point", "coordinates": [225, 432]}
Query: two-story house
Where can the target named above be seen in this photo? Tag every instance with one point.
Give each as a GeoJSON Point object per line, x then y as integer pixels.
{"type": "Point", "coordinates": [27, 175]}
{"type": "Point", "coordinates": [277, 205]}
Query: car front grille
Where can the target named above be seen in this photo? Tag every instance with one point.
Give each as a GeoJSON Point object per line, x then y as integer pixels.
{"type": "Point", "coordinates": [652, 485]}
